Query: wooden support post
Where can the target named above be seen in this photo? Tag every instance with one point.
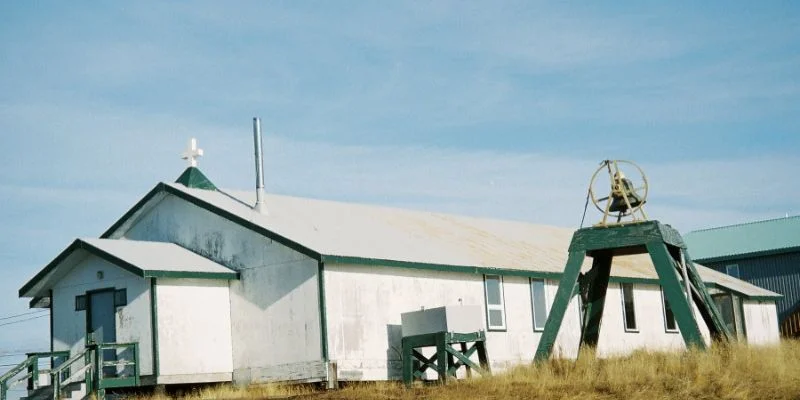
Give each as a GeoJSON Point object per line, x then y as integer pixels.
{"type": "Point", "coordinates": [441, 358]}
{"type": "Point", "coordinates": [708, 309]}
{"type": "Point", "coordinates": [681, 308]}
{"type": "Point", "coordinates": [464, 350]}
{"type": "Point", "coordinates": [596, 297]}
{"type": "Point", "coordinates": [408, 362]}
{"type": "Point", "coordinates": [560, 304]}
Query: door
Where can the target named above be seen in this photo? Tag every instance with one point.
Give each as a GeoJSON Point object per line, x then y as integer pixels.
{"type": "Point", "coordinates": [102, 323]}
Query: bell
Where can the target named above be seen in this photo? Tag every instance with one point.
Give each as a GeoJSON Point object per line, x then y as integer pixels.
{"type": "Point", "coordinates": [623, 187]}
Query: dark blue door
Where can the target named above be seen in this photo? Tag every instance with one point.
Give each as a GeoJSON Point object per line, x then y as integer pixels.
{"type": "Point", "coordinates": [102, 324]}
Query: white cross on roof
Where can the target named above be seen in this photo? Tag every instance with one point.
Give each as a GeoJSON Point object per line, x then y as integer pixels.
{"type": "Point", "coordinates": [192, 153]}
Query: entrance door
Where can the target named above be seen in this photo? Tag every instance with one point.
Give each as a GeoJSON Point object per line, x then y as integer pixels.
{"type": "Point", "coordinates": [102, 324]}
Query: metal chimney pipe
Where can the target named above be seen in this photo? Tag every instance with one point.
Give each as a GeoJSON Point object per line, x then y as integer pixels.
{"type": "Point", "coordinates": [260, 205]}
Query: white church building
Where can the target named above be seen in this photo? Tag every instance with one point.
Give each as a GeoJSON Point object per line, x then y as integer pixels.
{"type": "Point", "coordinates": [217, 288]}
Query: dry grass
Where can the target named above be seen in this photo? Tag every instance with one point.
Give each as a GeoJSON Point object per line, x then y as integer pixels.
{"type": "Point", "coordinates": [725, 372]}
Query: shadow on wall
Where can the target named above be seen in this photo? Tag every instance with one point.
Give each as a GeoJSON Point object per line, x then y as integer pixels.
{"type": "Point", "coordinates": [394, 351]}
{"type": "Point", "coordinates": [265, 286]}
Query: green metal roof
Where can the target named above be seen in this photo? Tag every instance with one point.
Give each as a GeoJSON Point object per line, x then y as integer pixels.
{"type": "Point", "coordinates": [193, 178]}
{"type": "Point", "coordinates": [745, 240]}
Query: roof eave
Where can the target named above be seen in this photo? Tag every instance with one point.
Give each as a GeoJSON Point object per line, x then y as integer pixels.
{"type": "Point", "coordinates": [78, 244]}
{"type": "Point", "coordinates": [752, 254]}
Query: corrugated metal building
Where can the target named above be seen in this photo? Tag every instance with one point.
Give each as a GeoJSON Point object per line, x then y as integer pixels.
{"type": "Point", "coordinates": [764, 253]}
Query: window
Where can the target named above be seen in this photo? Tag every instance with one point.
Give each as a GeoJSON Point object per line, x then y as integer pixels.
{"type": "Point", "coordinates": [538, 304]}
{"type": "Point", "coordinates": [669, 317]}
{"type": "Point", "coordinates": [495, 309]}
{"type": "Point", "coordinates": [628, 310]}
{"type": "Point", "coordinates": [80, 302]}
{"type": "Point", "coordinates": [732, 270]}
{"type": "Point", "coordinates": [120, 297]}
{"type": "Point", "coordinates": [730, 308]}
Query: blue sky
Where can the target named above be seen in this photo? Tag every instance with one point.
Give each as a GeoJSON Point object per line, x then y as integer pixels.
{"type": "Point", "coordinates": [499, 109]}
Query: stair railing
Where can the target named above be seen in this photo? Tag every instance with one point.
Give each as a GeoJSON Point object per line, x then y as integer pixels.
{"type": "Point", "coordinates": [32, 371]}
{"type": "Point", "coordinates": [61, 375]}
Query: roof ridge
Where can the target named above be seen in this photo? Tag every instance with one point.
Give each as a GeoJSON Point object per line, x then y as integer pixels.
{"type": "Point", "coordinates": [745, 223]}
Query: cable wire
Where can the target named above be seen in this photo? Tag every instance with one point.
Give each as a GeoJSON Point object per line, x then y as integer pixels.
{"type": "Point", "coordinates": [23, 320]}
{"type": "Point", "coordinates": [23, 314]}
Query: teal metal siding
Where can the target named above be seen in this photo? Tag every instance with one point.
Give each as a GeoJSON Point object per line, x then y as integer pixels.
{"type": "Point", "coordinates": [781, 235]}
{"type": "Point", "coordinates": [778, 273]}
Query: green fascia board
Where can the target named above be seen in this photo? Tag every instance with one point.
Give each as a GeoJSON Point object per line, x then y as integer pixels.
{"type": "Point", "coordinates": [81, 245]}
{"type": "Point", "coordinates": [164, 188]}
{"type": "Point", "coordinates": [504, 272]}
{"type": "Point", "coordinates": [160, 188]}
{"type": "Point", "coordinates": [754, 254]}
{"type": "Point", "coordinates": [233, 275]}
{"type": "Point", "coordinates": [192, 177]}
{"type": "Point", "coordinates": [438, 267]}
{"type": "Point", "coordinates": [49, 267]}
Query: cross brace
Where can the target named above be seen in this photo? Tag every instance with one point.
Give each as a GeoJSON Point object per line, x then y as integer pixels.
{"type": "Point", "coordinates": [669, 255]}
{"type": "Point", "coordinates": [447, 360]}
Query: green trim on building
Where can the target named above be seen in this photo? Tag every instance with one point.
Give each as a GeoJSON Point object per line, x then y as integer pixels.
{"type": "Point", "coordinates": [191, 274]}
{"type": "Point", "coordinates": [323, 315]}
{"type": "Point", "coordinates": [439, 267]}
{"type": "Point", "coordinates": [154, 326]}
{"type": "Point", "coordinates": [51, 327]}
{"type": "Point", "coordinates": [193, 178]}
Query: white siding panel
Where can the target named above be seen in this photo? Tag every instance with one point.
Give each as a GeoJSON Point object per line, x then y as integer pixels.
{"type": "Point", "coordinates": [132, 320]}
{"type": "Point", "coordinates": [194, 335]}
{"type": "Point", "coordinates": [274, 306]}
{"type": "Point", "coordinates": [761, 322]}
{"type": "Point", "coordinates": [651, 334]}
{"type": "Point", "coordinates": [364, 306]}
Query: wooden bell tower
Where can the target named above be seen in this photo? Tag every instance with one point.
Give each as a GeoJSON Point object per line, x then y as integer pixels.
{"type": "Point", "coordinates": [681, 283]}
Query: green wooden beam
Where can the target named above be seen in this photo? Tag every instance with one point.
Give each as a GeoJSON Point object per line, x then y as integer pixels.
{"type": "Point", "coordinates": [675, 295]}
{"type": "Point", "coordinates": [597, 283]}
{"type": "Point", "coordinates": [565, 290]}
{"type": "Point", "coordinates": [620, 237]}
{"type": "Point", "coordinates": [708, 309]}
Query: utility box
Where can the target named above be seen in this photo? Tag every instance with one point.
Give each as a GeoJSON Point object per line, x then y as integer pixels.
{"type": "Point", "coordinates": [460, 319]}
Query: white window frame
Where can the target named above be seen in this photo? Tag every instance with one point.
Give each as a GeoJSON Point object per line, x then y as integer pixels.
{"type": "Point", "coordinates": [489, 307]}
{"type": "Point", "coordinates": [533, 303]}
{"type": "Point", "coordinates": [664, 309]}
{"type": "Point", "coordinates": [728, 268]}
{"type": "Point", "coordinates": [635, 329]}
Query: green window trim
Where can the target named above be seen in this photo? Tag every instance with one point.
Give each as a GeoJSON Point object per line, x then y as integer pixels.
{"type": "Point", "coordinates": [628, 294]}
{"type": "Point", "coordinates": [495, 303]}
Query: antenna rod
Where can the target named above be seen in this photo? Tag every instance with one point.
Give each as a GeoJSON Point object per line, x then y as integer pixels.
{"type": "Point", "coordinates": [260, 206]}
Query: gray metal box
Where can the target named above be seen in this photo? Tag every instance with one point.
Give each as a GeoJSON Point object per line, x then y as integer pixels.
{"type": "Point", "coordinates": [461, 319]}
